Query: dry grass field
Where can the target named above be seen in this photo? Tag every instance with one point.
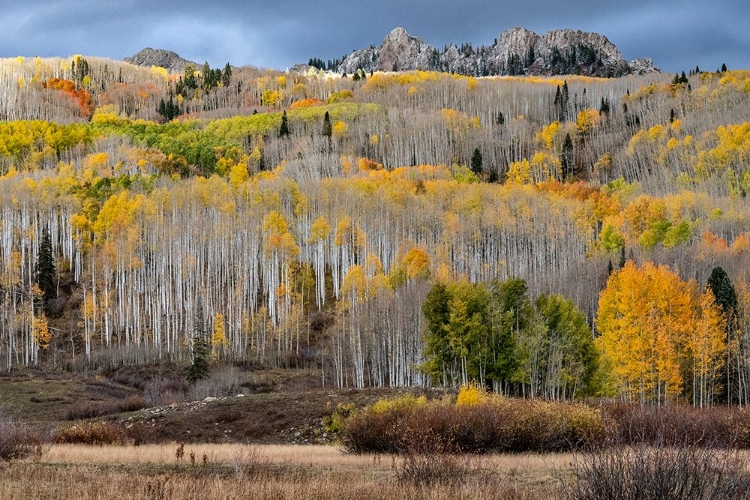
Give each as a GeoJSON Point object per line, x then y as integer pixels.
{"type": "Point", "coordinates": [271, 471]}
{"type": "Point", "coordinates": [275, 442]}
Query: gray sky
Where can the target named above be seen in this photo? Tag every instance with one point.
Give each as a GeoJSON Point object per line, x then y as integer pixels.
{"type": "Point", "coordinates": [676, 34]}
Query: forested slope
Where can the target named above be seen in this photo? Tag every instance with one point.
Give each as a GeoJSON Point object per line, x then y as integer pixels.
{"type": "Point", "coordinates": [304, 217]}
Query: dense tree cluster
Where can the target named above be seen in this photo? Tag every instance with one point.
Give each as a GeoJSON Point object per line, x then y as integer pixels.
{"type": "Point", "coordinates": [495, 335]}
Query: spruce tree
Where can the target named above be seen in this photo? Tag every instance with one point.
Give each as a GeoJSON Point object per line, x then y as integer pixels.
{"type": "Point", "coordinates": [284, 129]}
{"type": "Point", "coordinates": [226, 76]}
{"type": "Point", "coordinates": [199, 368]}
{"type": "Point", "coordinates": [723, 290]}
{"type": "Point", "coordinates": [327, 128]}
{"type": "Point", "coordinates": [726, 297]}
{"type": "Point", "coordinates": [476, 162]}
{"type": "Point", "coordinates": [566, 158]}
{"type": "Point", "coordinates": [45, 269]}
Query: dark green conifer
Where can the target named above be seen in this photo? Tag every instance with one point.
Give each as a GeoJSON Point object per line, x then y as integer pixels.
{"type": "Point", "coordinates": [199, 368]}
{"type": "Point", "coordinates": [476, 162]}
{"type": "Point", "coordinates": [327, 128]}
{"type": "Point", "coordinates": [46, 269]}
{"type": "Point", "coordinates": [284, 129]}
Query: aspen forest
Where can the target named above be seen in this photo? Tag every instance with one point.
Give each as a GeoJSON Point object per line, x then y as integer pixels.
{"type": "Point", "coordinates": [547, 237]}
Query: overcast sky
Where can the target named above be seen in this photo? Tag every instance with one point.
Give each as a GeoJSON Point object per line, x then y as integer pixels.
{"type": "Point", "coordinates": [676, 34]}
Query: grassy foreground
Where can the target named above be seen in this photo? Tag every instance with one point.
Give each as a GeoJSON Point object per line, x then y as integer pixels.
{"type": "Point", "coordinates": [270, 471]}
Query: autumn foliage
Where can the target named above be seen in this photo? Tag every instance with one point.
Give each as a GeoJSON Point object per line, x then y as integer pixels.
{"type": "Point", "coordinates": [660, 335]}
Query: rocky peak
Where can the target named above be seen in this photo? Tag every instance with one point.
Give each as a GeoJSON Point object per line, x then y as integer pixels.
{"type": "Point", "coordinates": [515, 41]}
{"type": "Point", "coordinates": [166, 59]}
{"type": "Point", "coordinates": [403, 52]}
{"type": "Point", "coordinates": [516, 51]}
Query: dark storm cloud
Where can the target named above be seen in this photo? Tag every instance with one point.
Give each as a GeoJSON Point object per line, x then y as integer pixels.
{"type": "Point", "coordinates": [677, 34]}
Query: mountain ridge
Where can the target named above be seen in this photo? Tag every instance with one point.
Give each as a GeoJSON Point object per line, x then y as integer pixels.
{"type": "Point", "coordinates": [516, 51]}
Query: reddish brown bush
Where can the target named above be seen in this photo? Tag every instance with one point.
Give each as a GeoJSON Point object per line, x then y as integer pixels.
{"type": "Point", "coordinates": [18, 440]}
{"type": "Point", "coordinates": [94, 409]}
{"type": "Point", "coordinates": [677, 425]}
{"type": "Point", "coordinates": [494, 425]}
{"type": "Point", "coordinates": [92, 433]}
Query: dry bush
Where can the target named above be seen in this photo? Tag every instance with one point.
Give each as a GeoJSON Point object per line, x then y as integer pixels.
{"type": "Point", "coordinates": [661, 472]}
{"type": "Point", "coordinates": [165, 390]}
{"type": "Point", "coordinates": [677, 425]}
{"type": "Point", "coordinates": [94, 409]}
{"type": "Point", "coordinates": [92, 433]}
{"type": "Point", "coordinates": [248, 461]}
{"type": "Point", "coordinates": [495, 424]}
{"type": "Point", "coordinates": [18, 440]}
{"type": "Point", "coordinates": [444, 469]}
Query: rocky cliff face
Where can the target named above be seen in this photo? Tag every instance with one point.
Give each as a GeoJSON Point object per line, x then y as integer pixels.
{"type": "Point", "coordinates": [159, 57]}
{"type": "Point", "coordinates": [516, 51]}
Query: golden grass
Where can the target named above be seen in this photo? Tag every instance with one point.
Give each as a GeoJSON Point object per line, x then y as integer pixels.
{"type": "Point", "coordinates": [315, 456]}
{"type": "Point", "coordinates": [76, 472]}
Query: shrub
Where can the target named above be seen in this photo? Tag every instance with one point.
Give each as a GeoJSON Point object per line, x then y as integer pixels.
{"type": "Point", "coordinates": [333, 424]}
{"type": "Point", "coordinates": [661, 472]}
{"type": "Point", "coordinates": [94, 409]}
{"type": "Point", "coordinates": [92, 433]}
{"type": "Point", "coordinates": [677, 425]}
{"type": "Point", "coordinates": [471, 395]}
{"type": "Point", "coordinates": [494, 424]}
{"type": "Point", "coordinates": [18, 440]}
{"type": "Point", "coordinates": [165, 390]}
{"type": "Point", "coordinates": [248, 461]}
{"type": "Point", "coordinates": [433, 469]}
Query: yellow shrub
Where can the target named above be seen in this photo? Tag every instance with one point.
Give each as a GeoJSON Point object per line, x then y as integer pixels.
{"type": "Point", "coordinates": [406, 402]}
{"type": "Point", "coordinates": [471, 395]}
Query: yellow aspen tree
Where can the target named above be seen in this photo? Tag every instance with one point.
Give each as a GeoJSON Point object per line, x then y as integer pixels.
{"type": "Point", "coordinates": [644, 319]}
{"type": "Point", "coordinates": [708, 347]}
{"type": "Point", "coordinates": [41, 331]}
{"type": "Point", "coordinates": [218, 336]}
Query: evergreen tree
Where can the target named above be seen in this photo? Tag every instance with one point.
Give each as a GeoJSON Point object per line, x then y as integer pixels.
{"type": "Point", "coordinates": [500, 119]}
{"type": "Point", "coordinates": [327, 128]}
{"type": "Point", "coordinates": [493, 178]}
{"type": "Point", "coordinates": [45, 269]}
{"type": "Point", "coordinates": [226, 76]}
{"type": "Point", "coordinates": [206, 75]}
{"type": "Point", "coordinates": [604, 107]}
{"type": "Point", "coordinates": [724, 293]}
{"type": "Point", "coordinates": [162, 109]}
{"type": "Point", "coordinates": [476, 162]}
{"type": "Point", "coordinates": [726, 297]}
{"type": "Point", "coordinates": [723, 68]}
{"type": "Point", "coordinates": [189, 79]}
{"type": "Point", "coordinates": [566, 158]}
{"type": "Point", "coordinates": [199, 368]}
{"type": "Point", "coordinates": [284, 129]}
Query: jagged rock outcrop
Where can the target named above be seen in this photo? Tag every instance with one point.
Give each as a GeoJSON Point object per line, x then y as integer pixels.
{"type": "Point", "coordinates": [166, 59]}
{"type": "Point", "coordinates": [516, 51]}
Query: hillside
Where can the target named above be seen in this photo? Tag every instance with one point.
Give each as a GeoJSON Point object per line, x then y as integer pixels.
{"type": "Point", "coordinates": [516, 51]}
{"type": "Point", "coordinates": [407, 228]}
